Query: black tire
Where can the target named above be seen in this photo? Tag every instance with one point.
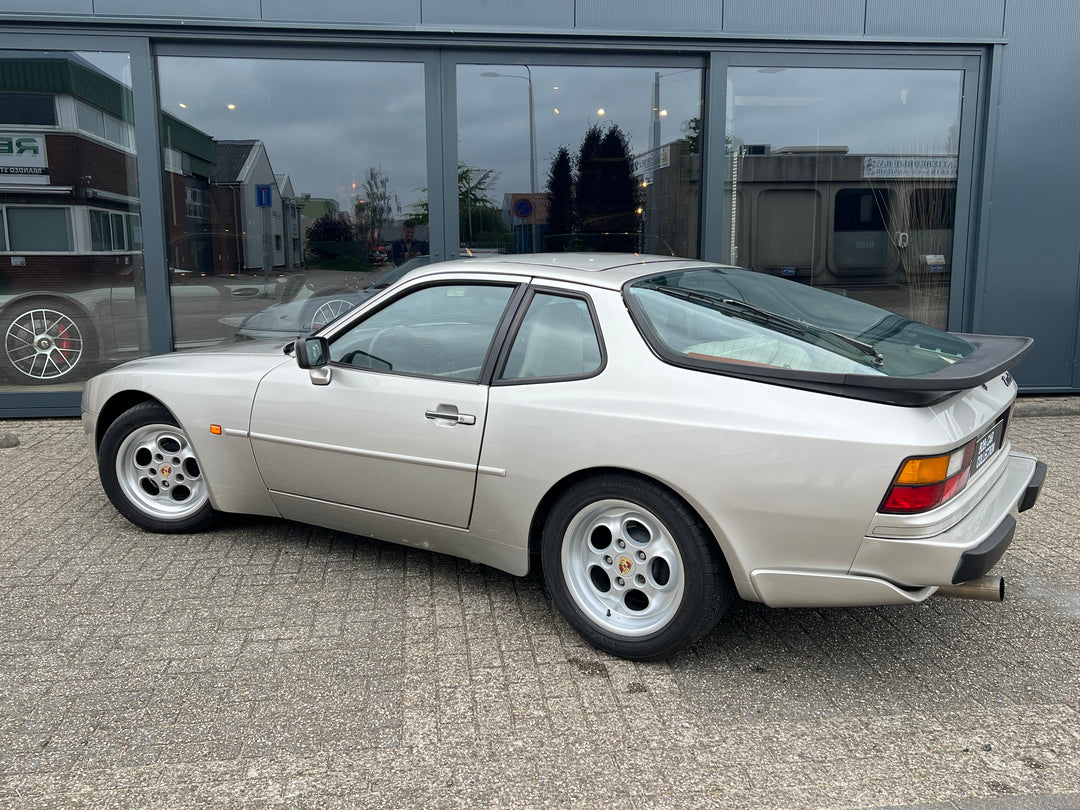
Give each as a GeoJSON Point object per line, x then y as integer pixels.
{"type": "Point", "coordinates": [633, 568]}
{"type": "Point", "coordinates": [45, 342]}
{"type": "Point", "coordinates": [150, 473]}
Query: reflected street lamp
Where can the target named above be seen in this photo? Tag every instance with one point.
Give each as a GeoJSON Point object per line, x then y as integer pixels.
{"type": "Point", "coordinates": [532, 141]}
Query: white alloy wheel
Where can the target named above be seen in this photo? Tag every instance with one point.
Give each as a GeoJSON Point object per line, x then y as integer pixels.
{"type": "Point", "coordinates": [623, 567]}
{"type": "Point", "coordinates": [151, 474]}
{"type": "Point", "coordinates": [632, 567]}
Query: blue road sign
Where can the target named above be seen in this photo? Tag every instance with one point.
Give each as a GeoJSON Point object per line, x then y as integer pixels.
{"type": "Point", "coordinates": [264, 198]}
{"type": "Point", "coordinates": [522, 208]}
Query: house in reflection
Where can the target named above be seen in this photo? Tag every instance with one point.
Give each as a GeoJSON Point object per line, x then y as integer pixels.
{"type": "Point", "coordinates": [227, 211]}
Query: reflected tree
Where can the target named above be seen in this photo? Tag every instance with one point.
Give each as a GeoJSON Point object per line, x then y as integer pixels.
{"type": "Point", "coordinates": [607, 196]}
{"type": "Point", "coordinates": [374, 205]}
{"type": "Point", "coordinates": [324, 237]}
{"type": "Point", "coordinates": [480, 221]}
{"type": "Point", "coordinates": [560, 189]}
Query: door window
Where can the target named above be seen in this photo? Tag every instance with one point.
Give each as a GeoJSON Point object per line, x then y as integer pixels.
{"type": "Point", "coordinates": [440, 331]}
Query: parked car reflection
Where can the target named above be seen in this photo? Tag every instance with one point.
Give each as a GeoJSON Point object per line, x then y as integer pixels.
{"type": "Point", "coordinates": [314, 307]}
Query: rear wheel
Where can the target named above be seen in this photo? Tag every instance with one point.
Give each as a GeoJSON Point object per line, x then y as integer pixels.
{"type": "Point", "coordinates": [151, 474]}
{"type": "Point", "coordinates": [632, 568]}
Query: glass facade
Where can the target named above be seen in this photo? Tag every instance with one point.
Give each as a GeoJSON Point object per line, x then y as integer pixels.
{"type": "Point", "coordinates": [583, 158]}
{"type": "Point", "coordinates": [291, 183]}
{"type": "Point", "coordinates": [72, 291]}
{"type": "Point", "coordinates": [288, 185]}
{"type": "Point", "coordinates": [846, 179]}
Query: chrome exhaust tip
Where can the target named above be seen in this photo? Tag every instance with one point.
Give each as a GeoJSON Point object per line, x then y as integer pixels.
{"type": "Point", "coordinates": [985, 589]}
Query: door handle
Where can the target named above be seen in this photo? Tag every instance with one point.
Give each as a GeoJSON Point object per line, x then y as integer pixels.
{"type": "Point", "coordinates": [459, 418]}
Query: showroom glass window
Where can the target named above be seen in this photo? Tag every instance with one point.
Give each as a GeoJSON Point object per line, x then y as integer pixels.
{"type": "Point", "coordinates": [582, 158]}
{"type": "Point", "coordinates": [287, 184]}
{"type": "Point", "coordinates": [72, 295]}
{"type": "Point", "coordinates": [845, 178]}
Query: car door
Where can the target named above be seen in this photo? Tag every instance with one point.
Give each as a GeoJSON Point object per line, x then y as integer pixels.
{"type": "Point", "coordinates": [398, 426]}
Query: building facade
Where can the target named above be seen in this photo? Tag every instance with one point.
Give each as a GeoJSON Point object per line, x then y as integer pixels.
{"type": "Point", "coordinates": [167, 169]}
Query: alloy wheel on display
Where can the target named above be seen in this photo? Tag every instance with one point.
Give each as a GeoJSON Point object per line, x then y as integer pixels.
{"type": "Point", "coordinates": [43, 344]}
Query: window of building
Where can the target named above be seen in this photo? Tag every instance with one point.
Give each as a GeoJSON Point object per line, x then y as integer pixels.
{"type": "Point", "coordinates": [28, 109]}
{"type": "Point", "coordinates": [35, 229]}
{"type": "Point", "coordinates": [872, 153]}
{"type": "Point", "coordinates": [584, 158]}
{"type": "Point", "coordinates": [99, 123]}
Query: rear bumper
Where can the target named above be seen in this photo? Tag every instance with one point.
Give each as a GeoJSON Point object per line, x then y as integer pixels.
{"type": "Point", "coordinates": [968, 548]}
{"type": "Point", "coordinates": [905, 570]}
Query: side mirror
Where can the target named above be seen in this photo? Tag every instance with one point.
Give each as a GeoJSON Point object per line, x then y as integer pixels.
{"type": "Point", "coordinates": [312, 352]}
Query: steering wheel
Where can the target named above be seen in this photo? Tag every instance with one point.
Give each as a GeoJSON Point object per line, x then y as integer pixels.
{"type": "Point", "coordinates": [401, 346]}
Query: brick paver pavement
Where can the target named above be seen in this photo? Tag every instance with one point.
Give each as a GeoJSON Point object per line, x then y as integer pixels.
{"type": "Point", "coordinates": [270, 664]}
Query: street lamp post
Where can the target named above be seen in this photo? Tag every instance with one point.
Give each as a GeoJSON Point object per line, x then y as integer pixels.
{"type": "Point", "coordinates": [532, 143]}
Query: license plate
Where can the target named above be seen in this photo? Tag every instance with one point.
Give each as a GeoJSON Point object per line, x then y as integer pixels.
{"type": "Point", "coordinates": [988, 444]}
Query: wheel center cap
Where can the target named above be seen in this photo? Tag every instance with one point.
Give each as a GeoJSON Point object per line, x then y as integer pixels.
{"type": "Point", "coordinates": [166, 471]}
{"type": "Point", "coordinates": [625, 565]}
{"type": "Point", "coordinates": [44, 343]}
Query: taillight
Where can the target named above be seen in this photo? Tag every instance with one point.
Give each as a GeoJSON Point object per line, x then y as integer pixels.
{"type": "Point", "coordinates": [925, 482]}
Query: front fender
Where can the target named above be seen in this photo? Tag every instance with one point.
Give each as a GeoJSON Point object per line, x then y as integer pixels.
{"type": "Point", "coordinates": [199, 390]}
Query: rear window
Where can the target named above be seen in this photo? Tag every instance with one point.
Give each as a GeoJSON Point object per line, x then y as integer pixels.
{"type": "Point", "coordinates": [727, 316]}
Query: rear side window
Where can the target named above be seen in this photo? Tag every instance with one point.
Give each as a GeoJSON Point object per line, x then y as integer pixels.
{"type": "Point", "coordinates": [556, 339]}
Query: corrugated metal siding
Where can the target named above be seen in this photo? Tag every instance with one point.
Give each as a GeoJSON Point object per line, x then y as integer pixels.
{"type": "Point", "coordinates": [499, 13]}
{"type": "Point", "coordinates": [799, 17]}
{"type": "Point", "coordinates": [933, 19]}
{"type": "Point", "coordinates": [211, 9]}
{"type": "Point", "coordinates": [371, 11]}
{"type": "Point", "coordinates": [1029, 273]}
{"type": "Point", "coordinates": [647, 15]}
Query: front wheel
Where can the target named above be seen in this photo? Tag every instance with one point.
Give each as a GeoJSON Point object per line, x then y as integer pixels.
{"type": "Point", "coordinates": [632, 568]}
{"type": "Point", "coordinates": [150, 472]}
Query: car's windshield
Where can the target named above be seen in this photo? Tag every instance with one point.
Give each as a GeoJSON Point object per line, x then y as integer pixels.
{"type": "Point", "coordinates": [729, 315]}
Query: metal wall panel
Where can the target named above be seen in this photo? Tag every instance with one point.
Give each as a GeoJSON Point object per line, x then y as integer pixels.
{"type": "Point", "coordinates": [377, 11]}
{"type": "Point", "coordinates": [499, 13]}
{"type": "Point", "coordinates": [1028, 274]}
{"type": "Point", "coordinates": [48, 6]}
{"type": "Point", "coordinates": [795, 17]}
{"type": "Point", "coordinates": [647, 15]}
{"type": "Point", "coordinates": [209, 9]}
{"type": "Point", "coordinates": [932, 19]}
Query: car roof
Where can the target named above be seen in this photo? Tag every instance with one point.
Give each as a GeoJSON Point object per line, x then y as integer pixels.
{"type": "Point", "coordinates": [610, 270]}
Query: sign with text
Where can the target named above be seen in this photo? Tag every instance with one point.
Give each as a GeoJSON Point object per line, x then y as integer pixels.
{"type": "Point", "coordinates": [23, 159]}
{"type": "Point", "coordinates": [908, 166]}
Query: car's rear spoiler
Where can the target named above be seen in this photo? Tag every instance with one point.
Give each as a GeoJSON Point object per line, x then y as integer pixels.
{"type": "Point", "coordinates": [992, 357]}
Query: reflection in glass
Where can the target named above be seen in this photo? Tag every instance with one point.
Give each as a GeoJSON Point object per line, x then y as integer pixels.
{"type": "Point", "coordinates": [846, 179]}
{"type": "Point", "coordinates": [578, 158]}
{"type": "Point", "coordinates": [287, 185]}
{"type": "Point", "coordinates": [71, 267]}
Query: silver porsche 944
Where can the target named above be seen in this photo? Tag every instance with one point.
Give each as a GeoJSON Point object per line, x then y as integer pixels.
{"type": "Point", "coordinates": [658, 435]}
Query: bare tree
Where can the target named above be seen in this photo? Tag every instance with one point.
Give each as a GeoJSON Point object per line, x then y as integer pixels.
{"type": "Point", "coordinates": [374, 205]}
